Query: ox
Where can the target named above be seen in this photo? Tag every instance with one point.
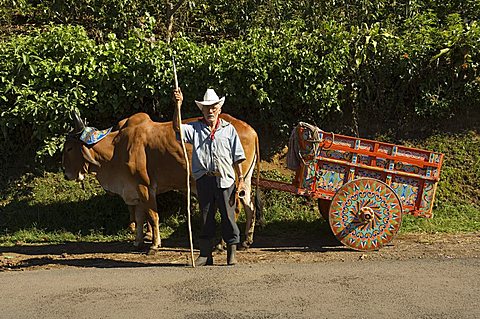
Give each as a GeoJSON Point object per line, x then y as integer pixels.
{"type": "Point", "coordinates": [140, 158]}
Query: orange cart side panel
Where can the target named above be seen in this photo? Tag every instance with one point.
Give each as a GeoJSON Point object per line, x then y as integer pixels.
{"type": "Point", "coordinates": [412, 173]}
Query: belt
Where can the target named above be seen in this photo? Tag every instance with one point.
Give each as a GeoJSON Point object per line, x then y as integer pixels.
{"type": "Point", "coordinates": [212, 174]}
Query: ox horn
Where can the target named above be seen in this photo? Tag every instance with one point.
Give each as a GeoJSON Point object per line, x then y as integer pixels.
{"type": "Point", "coordinates": [79, 125]}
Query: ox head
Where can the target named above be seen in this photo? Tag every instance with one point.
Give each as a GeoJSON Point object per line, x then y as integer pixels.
{"type": "Point", "coordinates": [76, 156]}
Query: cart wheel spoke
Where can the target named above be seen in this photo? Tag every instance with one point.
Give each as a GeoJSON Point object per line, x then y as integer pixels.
{"type": "Point", "coordinates": [365, 214]}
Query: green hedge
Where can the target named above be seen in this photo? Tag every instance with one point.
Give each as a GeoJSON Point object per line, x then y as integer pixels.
{"type": "Point", "coordinates": [273, 78]}
{"type": "Point", "coordinates": [211, 20]}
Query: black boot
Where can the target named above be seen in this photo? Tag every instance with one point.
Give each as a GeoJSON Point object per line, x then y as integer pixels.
{"type": "Point", "coordinates": [205, 258]}
{"type": "Point", "coordinates": [231, 251]}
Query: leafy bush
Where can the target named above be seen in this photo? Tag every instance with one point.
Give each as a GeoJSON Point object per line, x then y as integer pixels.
{"type": "Point", "coordinates": [208, 21]}
{"type": "Point", "coordinates": [45, 76]}
{"type": "Point", "coordinates": [273, 78]}
{"type": "Point", "coordinates": [425, 71]}
{"type": "Point", "coordinates": [374, 67]}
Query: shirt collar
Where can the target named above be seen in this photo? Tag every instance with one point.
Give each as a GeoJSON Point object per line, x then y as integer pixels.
{"type": "Point", "coordinates": [220, 123]}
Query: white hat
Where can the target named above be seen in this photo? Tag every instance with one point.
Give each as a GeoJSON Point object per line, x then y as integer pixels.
{"type": "Point", "coordinates": [210, 98]}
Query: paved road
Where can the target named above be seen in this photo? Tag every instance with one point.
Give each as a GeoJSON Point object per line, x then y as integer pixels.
{"type": "Point", "coordinates": [423, 288]}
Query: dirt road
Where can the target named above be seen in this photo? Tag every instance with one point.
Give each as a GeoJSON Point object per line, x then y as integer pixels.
{"type": "Point", "coordinates": [425, 288]}
{"type": "Point", "coordinates": [419, 276]}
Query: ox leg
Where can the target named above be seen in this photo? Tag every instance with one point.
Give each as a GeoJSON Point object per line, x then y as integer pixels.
{"type": "Point", "coordinates": [153, 223]}
{"type": "Point", "coordinates": [155, 229]}
{"type": "Point", "coordinates": [131, 225]}
{"type": "Point", "coordinates": [248, 206]}
{"type": "Point", "coordinates": [139, 221]}
{"type": "Point", "coordinates": [149, 234]}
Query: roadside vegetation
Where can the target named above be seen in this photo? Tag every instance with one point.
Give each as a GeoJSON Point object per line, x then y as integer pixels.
{"type": "Point", "coordinates": [402, 73]}
{"type": "Point", "coordinates": [43, 207]}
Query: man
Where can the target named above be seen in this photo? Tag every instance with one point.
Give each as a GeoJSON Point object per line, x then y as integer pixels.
{"type": "Point", "coordinates": [216, 157]}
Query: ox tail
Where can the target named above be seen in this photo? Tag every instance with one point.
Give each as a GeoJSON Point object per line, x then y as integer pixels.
{"type": "Point", "coordinates": [258, 198]}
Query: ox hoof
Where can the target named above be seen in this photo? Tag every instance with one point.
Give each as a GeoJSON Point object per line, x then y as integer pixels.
{"type": "Point", "coordinates": [219, 248]}
{"type": "Point", "coordinates": [245, 245]}
{"type": "Point", "coordinates": [147, 237]}
{"type": "Point", "coordinates": [153, 251]}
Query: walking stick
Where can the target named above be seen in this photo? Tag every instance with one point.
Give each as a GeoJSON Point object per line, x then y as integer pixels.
{"type": "Point", "coordinates": [187, 162]}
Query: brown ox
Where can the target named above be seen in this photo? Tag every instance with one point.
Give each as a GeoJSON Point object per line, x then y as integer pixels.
{"type": "Point", "coordinates": [141, 158]}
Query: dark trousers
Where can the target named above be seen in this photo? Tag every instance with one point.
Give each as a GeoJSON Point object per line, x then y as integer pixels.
{"type": "Point", "coordinates": [210, 197]}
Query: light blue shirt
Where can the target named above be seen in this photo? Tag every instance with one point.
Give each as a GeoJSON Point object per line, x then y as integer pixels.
{"type": "Point", "coordinates": [217, 155]}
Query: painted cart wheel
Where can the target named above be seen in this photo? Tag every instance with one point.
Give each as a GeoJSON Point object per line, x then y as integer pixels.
{"type": "Point", "coordinates": [365, 214]}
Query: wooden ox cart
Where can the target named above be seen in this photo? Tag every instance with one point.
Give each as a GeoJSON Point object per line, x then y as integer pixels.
{"type": "Point", "coordinates": [363, 186]}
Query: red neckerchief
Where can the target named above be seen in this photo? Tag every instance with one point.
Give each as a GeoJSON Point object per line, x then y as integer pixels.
{"type": "Point", "coordinates": [212, 133]}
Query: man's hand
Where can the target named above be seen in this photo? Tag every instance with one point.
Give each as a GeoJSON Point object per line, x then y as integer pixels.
{"type": "Point", "coordinates": [242, 189]}
{"type": "Point", "coordinates": [178, 97]}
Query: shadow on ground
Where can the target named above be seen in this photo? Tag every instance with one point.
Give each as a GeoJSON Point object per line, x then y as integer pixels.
{"type": "Point", "coordinates": [87, 263]}
{"type": "Point", "coordinates": [324, 242]}
{"type": "Point", "coordinates": [124, 255]}
{"type": "Point", "coordinates": [96, 215]}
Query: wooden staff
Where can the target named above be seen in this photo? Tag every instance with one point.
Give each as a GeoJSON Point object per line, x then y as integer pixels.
{"type": "Point", "coordinates": [187, 162]}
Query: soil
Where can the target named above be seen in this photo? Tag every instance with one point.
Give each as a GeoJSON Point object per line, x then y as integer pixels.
{"type": "Point", "coordinates": [264, 251]}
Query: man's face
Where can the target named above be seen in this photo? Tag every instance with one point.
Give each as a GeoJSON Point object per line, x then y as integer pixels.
{"type": "Point", "coordinates": [211, 112]}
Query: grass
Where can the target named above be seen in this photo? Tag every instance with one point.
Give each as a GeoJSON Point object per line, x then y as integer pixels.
{"type": "Point", "coordinates": [35, 235]}
{"type": "Point", "coordinates": [43, 207]}
{"type": "Point", "coordinates": [457, 203]}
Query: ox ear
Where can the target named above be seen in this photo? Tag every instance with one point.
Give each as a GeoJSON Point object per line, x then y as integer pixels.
{"type": "Point", "coordinates": [87, 155]}
{"type": "Point", "coordinates": [79, 125]}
